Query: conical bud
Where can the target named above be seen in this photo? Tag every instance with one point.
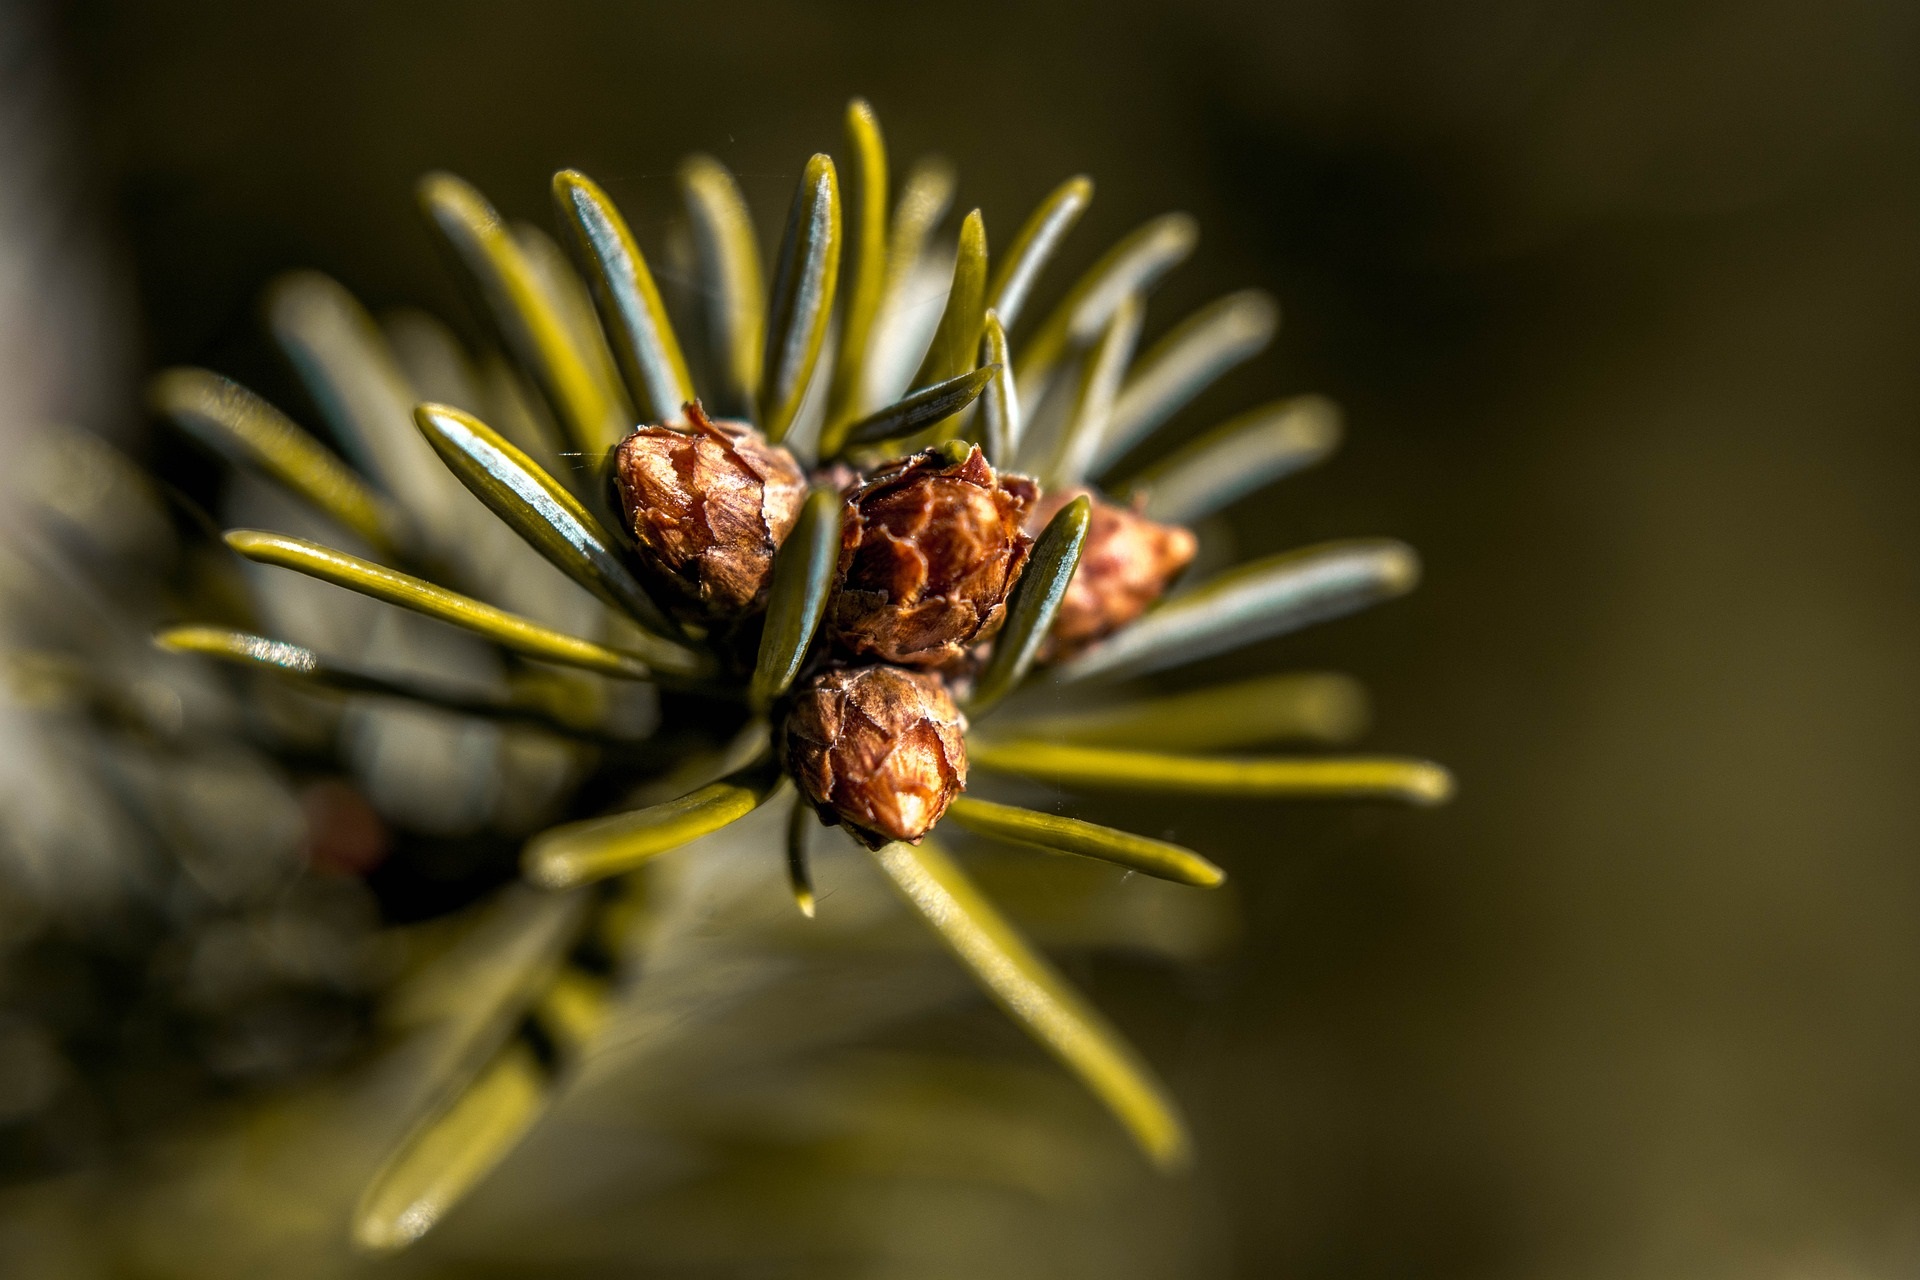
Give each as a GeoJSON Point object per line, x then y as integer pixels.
{"type": "Point", "coordinates": [929, 550]}
{"type": "Point", "coordinates": [708, 507]}
{"type": "Point", "coordinates": [1126, 564]}
{"type": "Point", "coordinates": [878, 749]}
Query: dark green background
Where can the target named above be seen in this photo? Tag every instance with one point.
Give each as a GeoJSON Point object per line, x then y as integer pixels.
{"type": "Point", "coordinates": [1622, 302]}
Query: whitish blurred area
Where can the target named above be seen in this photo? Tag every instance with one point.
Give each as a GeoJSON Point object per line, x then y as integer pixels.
{"type": "Point", "coordinates": [1621, 305]}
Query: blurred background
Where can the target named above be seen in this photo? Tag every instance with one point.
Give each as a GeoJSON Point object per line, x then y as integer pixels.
{"type": "Point", "coordinates": [1621, 301]}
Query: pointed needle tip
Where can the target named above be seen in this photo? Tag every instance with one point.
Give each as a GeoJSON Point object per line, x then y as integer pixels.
{"type": "Point", "coordinates": [1433, 785]}
{"type": "Point", "coordinates": [545, 870]}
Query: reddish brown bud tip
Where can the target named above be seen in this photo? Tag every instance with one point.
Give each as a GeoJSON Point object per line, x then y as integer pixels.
{"type": "Point", "coordinates": [709, 507]}
{"type": "Point", "coordinates": [878, 749]}
{"type": "Point", "coordinates": [928, 552]}
{"type": "Point", "coordinates": [1125, 565]}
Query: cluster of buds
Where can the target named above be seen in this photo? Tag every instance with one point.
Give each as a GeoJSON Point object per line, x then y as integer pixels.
{"type": "Point", "coordinates": [856, 602]}
{"type": "Point", "coordinates": [931, 548]}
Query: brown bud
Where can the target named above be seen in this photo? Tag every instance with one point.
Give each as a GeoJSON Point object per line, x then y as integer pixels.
{"type": "Point", "coordinates": [878, 749]}
{"type": "Point", "coordinates": [708, 507]}
{"type": "Point", "coordinates": [929, 550]}
{"type": "Point", "coordinates": [1125, 565]}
